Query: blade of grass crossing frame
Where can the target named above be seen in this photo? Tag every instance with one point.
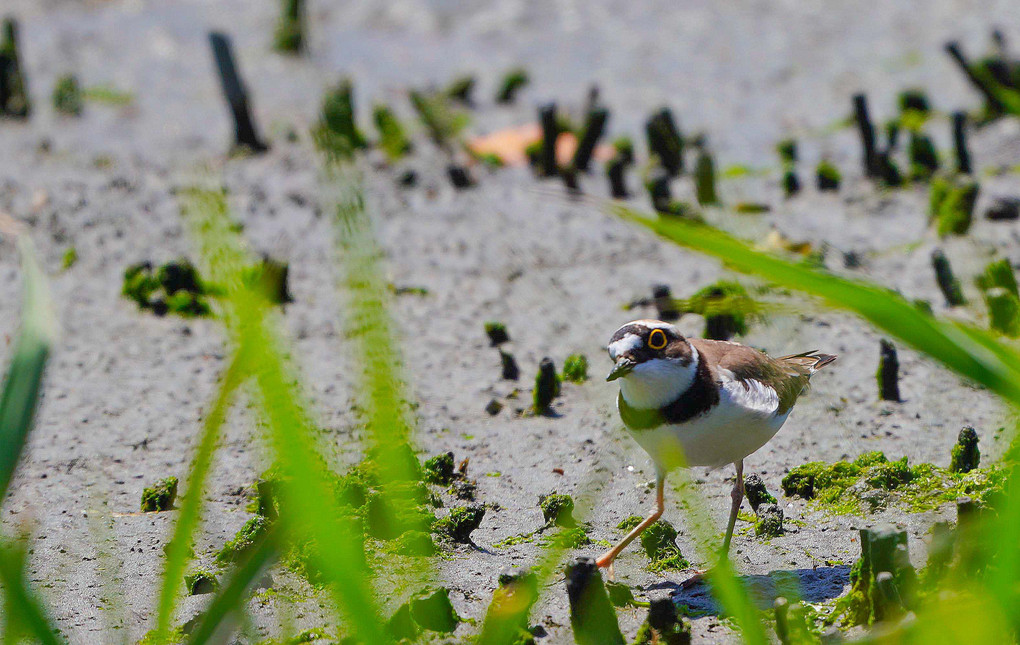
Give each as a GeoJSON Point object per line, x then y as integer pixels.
{"type": "Point", "coordinates": [24, 376]}
{"type": "Point", "coordinates": [230, 597]}
{"type": "Point", "coordinates": [312, 510]}
{"type": "Point", "coordinates": [27, 614]}
{"type": "Point", "coordinates": [190, 513]}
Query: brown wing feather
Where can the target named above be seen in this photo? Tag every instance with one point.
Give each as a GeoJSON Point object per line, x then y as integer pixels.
{"type": "Point", "coordinates": [787, 375]}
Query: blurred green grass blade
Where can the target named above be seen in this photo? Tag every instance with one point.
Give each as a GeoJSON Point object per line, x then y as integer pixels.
{"type": "Point", "coordinates": [312, 509]}
{"type": "Point", "coordinates": [24, 376]}
{"type": "Point", "coordinates": [188, 517]}
{"type": "Point", "coordinates": [230, 597]}
{"type": "Point", "coordinates": [982, 362]}
{"type": "Point", "coordinates": [27, 612]}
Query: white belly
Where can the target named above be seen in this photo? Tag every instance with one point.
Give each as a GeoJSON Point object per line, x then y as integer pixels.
{"type": "Point", "coordinates": [741, 423]}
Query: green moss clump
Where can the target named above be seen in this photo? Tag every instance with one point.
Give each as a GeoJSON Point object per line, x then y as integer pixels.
{"type": "Point", "coordinates": [787, 149]}
{"type": "Point", "coordinates": [630, 523]}
{"type": "Point", "coordinates": [998, 287]}
{"type": "Point", "coordinates": [160, 496]}
{"type": "Point", "coordinates": [841, 487]}
{"type": "Point", "coordinates": [459, 524]}
{"type": "Point", "coordinates": [951, 205]}
{"type": "Point", "coordinates": [200, 582]}
{"type": "Point", "coordinates": [547, 386]}
{"type": "Point", "coordinates": [558, 510]}
{"type": "Point", "coordinates": [572, 538]}
{"type": "Point", "coordinates": [828, 175]}
{"type": "Point", "coordinates": [575, 368]}
{"type": "Point", "coordinates": [337, 132]}
{"type": "Point", "coordinates": [659, 543]}
{"type": "Point", "coordinates": [245, 540]}
{"type": "Point", "coordinates": [769, 522]}
{"type": "Point", "coordinates": [70, 258]}
{"type": "Point", "coordinates": [439, 469]}
{"type": "Point", "coordinates": [965, 454]}
{"type": "Point", "coordinates": [512, 82]}
{"type": "Point", "coordinates": [67, 97]}
{"type": "Point", "coordinates": [174, 287]}
{"type": "Point", "coordinates": [392, 137]}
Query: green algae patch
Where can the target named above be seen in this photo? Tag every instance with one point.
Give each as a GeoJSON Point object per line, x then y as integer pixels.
{"type": "Point", "coordinates": [439, 469]}
{"type": "Point", "coordinates": [247, 537]}
{"type": "Point", "coordinates": [67, 96]}
{"type": "Point", "coordinates": [558, 510]}
{"type": "Point", "coordinates": [174, 287]}
{"type": "Point", "coordinates": [965, 455]}
{"type": "Point", "coordinates": [460, 523]}
{"type": "Point", "coordinates": [428, 610]}
{"type": "Point", "coordinates": [200, 582]}
{"type": "Point", "coordinates": [160, 496]}
{"type": "Point", "coordinates": [575, 368]}
{"type": "Point", "coordinates": [630, 523]}
{"type": "Point", "coordinates": [659, 543]}
{"type": "Point", "coordinates": [872, 481]}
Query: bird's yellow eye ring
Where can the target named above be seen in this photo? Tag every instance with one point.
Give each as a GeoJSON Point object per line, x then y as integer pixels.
{"type": "Point", "coordinates": [657, 339]}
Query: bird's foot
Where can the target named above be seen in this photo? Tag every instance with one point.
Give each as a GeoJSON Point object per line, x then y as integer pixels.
{"type": "Point", "coordinates": [606, 562]}
{"type": "Point", "coordinates": [697, 578]}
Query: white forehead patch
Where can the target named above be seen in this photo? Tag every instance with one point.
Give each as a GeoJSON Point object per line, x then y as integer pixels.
{"type": "Point", "coordinates": [626, 344]}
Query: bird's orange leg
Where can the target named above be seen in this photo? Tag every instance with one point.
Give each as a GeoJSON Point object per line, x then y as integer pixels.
{"type": "Point", "coordinates": [737, 496]}
{"type": "Point", "coordinates": [606, 559]}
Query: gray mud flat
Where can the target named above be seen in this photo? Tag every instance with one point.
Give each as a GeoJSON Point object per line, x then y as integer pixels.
{"type": "Point", "coordinates": [126, 391]}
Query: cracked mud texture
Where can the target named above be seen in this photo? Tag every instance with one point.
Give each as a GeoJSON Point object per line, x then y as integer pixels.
{"type": "Point", "coordinates": [126, 391]}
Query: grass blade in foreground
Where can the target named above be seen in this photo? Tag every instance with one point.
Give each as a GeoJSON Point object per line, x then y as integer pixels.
{"type": "Point", "coordinates": [28, 360]}
{"type": "Point", "coordinates": [190, 514]}
{"type": "Point", "coordinates": [990, 363]}
{"type": "Point", "coordinates": [18, 403]}
{"type": "Point", "coordinates": [231, 597]}
{"type": "Point", "coordinates": [26, 610]}
{"type": "Point", "coordinates": [312, 510]}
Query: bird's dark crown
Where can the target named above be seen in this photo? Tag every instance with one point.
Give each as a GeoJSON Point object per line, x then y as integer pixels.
{"type": "Point", "coordinates": [675, 345]}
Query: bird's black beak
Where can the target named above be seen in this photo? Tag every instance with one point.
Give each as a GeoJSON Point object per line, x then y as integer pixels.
{"type": "Point", "coordinates": [623, 367]}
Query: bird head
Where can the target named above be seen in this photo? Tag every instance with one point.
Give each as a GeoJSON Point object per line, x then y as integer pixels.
{"type": "Point", "coordinates": [653, 360]}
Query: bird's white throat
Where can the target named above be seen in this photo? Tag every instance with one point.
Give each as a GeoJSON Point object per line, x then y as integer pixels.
{"type": "Point", "coordinates": [659, 381]}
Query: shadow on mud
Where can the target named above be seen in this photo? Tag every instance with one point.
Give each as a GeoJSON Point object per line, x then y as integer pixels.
{"type": "Point", "coordinates": [811, 585]}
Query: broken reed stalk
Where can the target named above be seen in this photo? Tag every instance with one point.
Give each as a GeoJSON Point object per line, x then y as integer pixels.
{"type": "Point", "coordinates": [947, 282]}
{"type": "Point", "coordinates": [616, 173]}
{"type": "Point", "coordinates": [658, 189]}
{"type": "Point", "coordinates": [867, 132]}
{"type": "Point", "coordinates": [290, 28]}
{"type": "Point", "coordinates": [993, 102]}
{"type": "Point", "coordinates": [888, 372]}
{"type": "Point", "coordinates": [594, 126]}
{"type": "Point", "coordinates": [960, 143]}
{"type": "Point", "coordinates": [665, 141]}
{"type": "Point", "coordinates": [591, 613]}
{"type": "Point", "coordinates": [704, 179]}
{"type": "Point", "coordinates": [14, 101]}
{"type": "Point", "coordinates": [550, 131]}
{"type": "Point", "coordinates": [245, 135]}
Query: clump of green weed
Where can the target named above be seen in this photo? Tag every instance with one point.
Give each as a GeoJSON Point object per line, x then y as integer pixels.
{"type": "Point", "coordinates": [67, 98]}
{"type": "Point", "coordinates": [392, 136]}
{"type": "Point", "coordinates": [174, 287]}
{"type": "Point", "coordinates": [200, 582]}
{"type": "Point", "coordinates": [659, 543]}
{"type": "Point", "coordinates": [439, 469]}
{"type": "Point", "coordinates": [244, 541]}
{"type": "Point", "coordinates": [512, 82]}
{"type": "Point", "coordinates": [160, 496]}
{"type": "Point", "coordinates": [558, 510]}
{"type": "Point", "coordinates": [461, 521]}
{"type": "Point", "coordinates": [575, 368]}
{"type": "Point", "coordinates": [965, 455]}
{"type": "Point", "coordinates": [547, 386]}
{"type": "Point", "coordinates": [337, 132]}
